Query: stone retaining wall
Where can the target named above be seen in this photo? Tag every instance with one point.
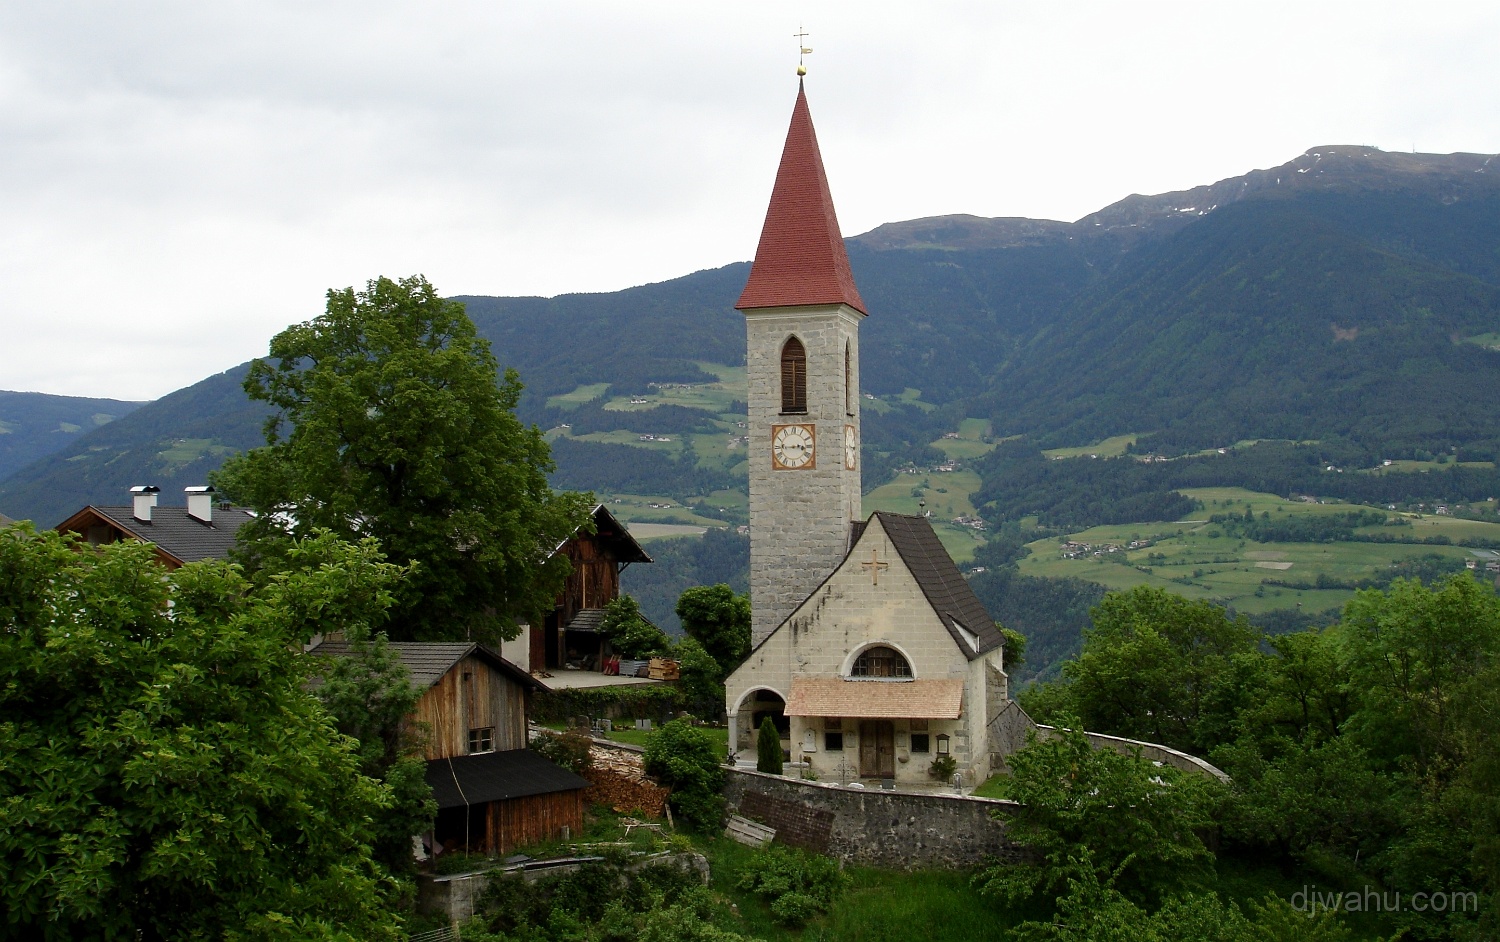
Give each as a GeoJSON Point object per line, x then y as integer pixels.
{"type": "Point", "coordinates": [893, 829]}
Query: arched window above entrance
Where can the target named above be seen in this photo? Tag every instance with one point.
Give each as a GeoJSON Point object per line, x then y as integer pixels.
{"type": "Point", "coordinates": [881, 661]}
{"type": "Point", "coordinates": [793, 376]}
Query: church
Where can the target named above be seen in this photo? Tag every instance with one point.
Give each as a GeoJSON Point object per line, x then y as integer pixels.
{"type": "Point", "coordinates": [870, 652]}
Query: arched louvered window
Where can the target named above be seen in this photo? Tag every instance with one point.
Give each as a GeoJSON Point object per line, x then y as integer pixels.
{"type": "Point", "coordinates": [880, 661]}
{"type": "Point", "coordinates": [793, 376]}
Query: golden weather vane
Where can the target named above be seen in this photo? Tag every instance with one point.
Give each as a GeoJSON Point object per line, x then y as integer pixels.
{"type": "Point", "coordinates": [800, 35]}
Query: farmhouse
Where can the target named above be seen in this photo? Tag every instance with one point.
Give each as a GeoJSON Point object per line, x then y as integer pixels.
{"type": "Point", "coordinates": [567, 646]}
{"type": "Point", "coordinates": [203, 529]}
{"type": "Point", "coordinates": [493, 794]}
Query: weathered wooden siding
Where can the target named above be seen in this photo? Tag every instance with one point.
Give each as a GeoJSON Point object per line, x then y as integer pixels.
{"type": "Point", "coordinates": [594, 581]}
{"type": "Point", "coordinates": [470, 696]}
{"type": "Point", "coordinates": [530, 820]}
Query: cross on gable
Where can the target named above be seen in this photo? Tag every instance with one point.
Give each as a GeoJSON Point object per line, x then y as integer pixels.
{"type": "Point", "coordinates": [874, 565]}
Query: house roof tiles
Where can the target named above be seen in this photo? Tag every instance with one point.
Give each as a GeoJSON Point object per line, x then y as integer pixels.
{"type": "Point", "coordinates": [945, 587]}
{"type": "Point", "coordinates": [428, 661]}
{"type": "Point", "coordinates": [940, 698]}
{"type": "Point", "coordinates": [174, 531]}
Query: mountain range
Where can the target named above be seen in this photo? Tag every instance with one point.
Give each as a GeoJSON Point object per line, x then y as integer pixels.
{"type": "Point", "coordinates": [1349, 297]}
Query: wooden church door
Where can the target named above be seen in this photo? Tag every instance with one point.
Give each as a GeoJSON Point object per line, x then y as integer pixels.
{"type": "Point", "coordinates": [877, 749]}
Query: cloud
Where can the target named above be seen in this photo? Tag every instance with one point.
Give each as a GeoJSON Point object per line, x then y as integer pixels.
{"type": "Point", "coordinates": [178, 181]}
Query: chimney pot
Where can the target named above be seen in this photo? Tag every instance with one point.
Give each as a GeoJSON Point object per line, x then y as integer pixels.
{"type": "Point", "coordinates": [200, 502]}
{"type": "Point", "coordinates": [143, 498]}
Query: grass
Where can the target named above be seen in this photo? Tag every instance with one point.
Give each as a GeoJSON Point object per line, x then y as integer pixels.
{"type": "Point", "coordinates": [1109, 448]}
{"type": "Point", "coordinates": [578, 396]}
{"type": "Point", "coordinates": [948, 495]}
{"type": "Point", "coordinates": [1490, 341]}
{"type": "Point", "coordinates": [1194, 558]}
{"type": "Point", "coordinates": [184, 451]}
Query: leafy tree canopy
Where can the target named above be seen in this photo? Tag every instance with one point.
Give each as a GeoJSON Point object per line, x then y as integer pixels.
{"type": "Point", "coordinates": [719, 619]}
{"type": "Point", "coordinates": [164, 772]}
{"type": "Point", "coordinates": [393, 421]}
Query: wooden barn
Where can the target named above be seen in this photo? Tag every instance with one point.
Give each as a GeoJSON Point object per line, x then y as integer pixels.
{"type": "Point", "coordinates": [493, 793]}
{"type": "Point", "coordinates": [569, 635]}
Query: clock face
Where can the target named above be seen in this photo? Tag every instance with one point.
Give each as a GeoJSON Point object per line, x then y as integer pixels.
{"type": "Point", "coordinates": [851, 448]}
{"type": "Point", "coordinates": [792, 447]}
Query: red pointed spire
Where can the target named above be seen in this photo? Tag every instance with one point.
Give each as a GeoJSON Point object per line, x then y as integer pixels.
{"type": "Point", "coordinates": [801, 258]}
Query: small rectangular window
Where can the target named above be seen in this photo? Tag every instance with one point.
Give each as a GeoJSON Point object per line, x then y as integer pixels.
{"type": "Point", "coordinates": [919, 726]}
{"type": "Point", "coordinates": [833, 722]}
{"type": "Point", "coordinates": [833, 742]}
{"type": "Point", "coordinates": [482, 739]}
{"type": "Point", "coordinates": [920, 742]}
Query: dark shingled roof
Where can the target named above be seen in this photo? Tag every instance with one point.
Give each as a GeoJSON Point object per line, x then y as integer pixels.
{"type": "Point", "coordinates": [177, 532]}
{"type": "Point", "coordinates": [945, 587]}
{"type": "Point", "coordinates": [497, 776]}
{"type": "Point", "coordinates": [587, 619]}
{"type": "Point", "coordinates": [428, 661]}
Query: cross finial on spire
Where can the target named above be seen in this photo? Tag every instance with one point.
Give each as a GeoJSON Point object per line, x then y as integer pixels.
{"type": "Point", "coordinates": [803, 50]}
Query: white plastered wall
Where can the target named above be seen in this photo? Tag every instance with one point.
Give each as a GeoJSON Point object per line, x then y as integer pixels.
{"type": "Point", "coordinates": [848, 613]}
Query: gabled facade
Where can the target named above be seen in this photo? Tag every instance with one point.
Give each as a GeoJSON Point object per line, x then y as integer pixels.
{"type": "Point", "coordinates": [888, 664]}
{"type": "Point", "coordinates": [493, 793]}
{"type": "Point", "coordinates": [202, 529]}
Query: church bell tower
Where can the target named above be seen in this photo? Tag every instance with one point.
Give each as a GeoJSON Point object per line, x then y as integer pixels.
{"type": "Point", "coordinates": [802, 316]}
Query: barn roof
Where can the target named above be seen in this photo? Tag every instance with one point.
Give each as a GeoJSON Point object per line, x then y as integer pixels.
{"type": "Point", "coordinates": [944, 586]}
{"type": "Point", "coordinates": [800, 258]}
{"type": "Point", "coordinates": [497, 776]}
{"type": "Point", "coordinates": [175, 532]}
{"type": "Point", "coordinates": [428, 661]}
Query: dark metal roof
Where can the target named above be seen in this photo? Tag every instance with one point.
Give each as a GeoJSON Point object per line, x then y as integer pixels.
{"type": "Point", "coordinates": [428, 661]}
{"type": "Point", "coordinates": [175, 531]}
{"type": "Point", "coordinates": [497, 776]}
{"type": "Point", "coordinates": [945, 587]}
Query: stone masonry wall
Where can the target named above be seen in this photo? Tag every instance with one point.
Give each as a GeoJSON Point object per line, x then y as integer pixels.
{"type": "Point", "coordinates": [892, 829]}
{"type": "Point", "coordinates": [799, 519]}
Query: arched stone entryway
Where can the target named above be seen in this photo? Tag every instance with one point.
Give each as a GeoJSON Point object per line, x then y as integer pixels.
{"type": "Point", "coordinates": [755, 706]}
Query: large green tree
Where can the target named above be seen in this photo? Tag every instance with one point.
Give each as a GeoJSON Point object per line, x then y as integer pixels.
{"type": "Point", "coordinates": [164, 772]}
{"type": "Point", "coordinates": [719, 619]}
{"type": "Point", "coordinates": [392, 420]}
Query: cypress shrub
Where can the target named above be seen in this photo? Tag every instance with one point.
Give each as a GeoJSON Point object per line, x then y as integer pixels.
{"type": "Point", "coordinates": [768, 748]}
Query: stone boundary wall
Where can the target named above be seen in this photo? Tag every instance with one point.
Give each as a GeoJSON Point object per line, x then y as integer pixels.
{"type": "Point", "coordinates": [455, 896]}
{"type": "Point", "coordinates": [1150, 750]}
{"type": "Point", "coordinates": [897, 830]}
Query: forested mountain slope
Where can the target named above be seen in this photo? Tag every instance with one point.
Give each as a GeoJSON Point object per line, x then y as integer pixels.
{"type": "Point", "coordinates": [1349, 296]}
{"type": "Point", "coordinates": [34, 425]}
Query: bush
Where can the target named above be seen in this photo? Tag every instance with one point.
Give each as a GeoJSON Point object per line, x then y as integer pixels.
{"type": "Point", "coordinates": [684, 759]}
{"type": "Point", "coordinates": [942, 768]}
{"type": "Point", "coordinates": [569, 750]}
{"type": "Point", "coordinates": [630, 633]}
{"type": "Point", "coordinates": [1136, 823]}
{"type": "Point", "coordinates": [768, 748]}
{"type": "Point", "coordinates": [797, 885]}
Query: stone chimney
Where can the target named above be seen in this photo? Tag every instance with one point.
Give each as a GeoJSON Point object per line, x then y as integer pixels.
{"type": "Point", "coordinates": [200, 502]}
{"type": "Point", "coordinates": [144, 498]}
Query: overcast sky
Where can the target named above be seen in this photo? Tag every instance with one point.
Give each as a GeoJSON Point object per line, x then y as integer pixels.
{"type": "Point", "coordinates": [179, 181]}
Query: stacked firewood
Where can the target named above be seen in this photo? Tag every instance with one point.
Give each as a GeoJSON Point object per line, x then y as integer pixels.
{"type": "Point", "coordinates": [618, 779]}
